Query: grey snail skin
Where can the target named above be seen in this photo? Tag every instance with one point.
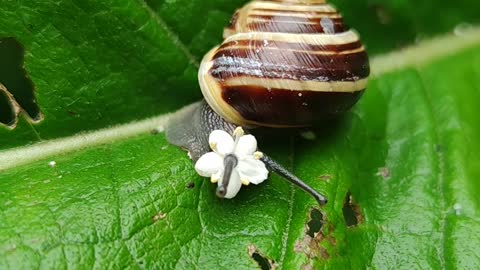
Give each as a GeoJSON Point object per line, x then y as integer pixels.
{"type": "Point", "coordinates": [282, 64]}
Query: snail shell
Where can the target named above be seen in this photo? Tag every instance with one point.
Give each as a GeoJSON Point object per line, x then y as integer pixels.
{"type": "Point", "coordinates": [283, 64]}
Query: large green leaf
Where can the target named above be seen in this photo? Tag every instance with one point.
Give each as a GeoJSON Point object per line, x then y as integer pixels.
{"type": "Point", "coordinates": [120, 197]}
{"type": "Point", "coordinates": [407, 155]}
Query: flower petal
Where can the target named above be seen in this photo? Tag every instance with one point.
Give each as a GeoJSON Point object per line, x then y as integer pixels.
{"type": "Point", "coordinates": [246, 145]}
{"type": "Point", "coordinates": [252, 170]}
{"type": "Point", "coordinates": [209, 164]}
{"type": "Point", "coordinates": [221, 142]}
{"type": "Point", "coordinates": [233, 186]}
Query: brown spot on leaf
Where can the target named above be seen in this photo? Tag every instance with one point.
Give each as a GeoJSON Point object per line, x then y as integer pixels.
{"type": "Point", "coordinates": [311, 245]}
{"type": "Point", "coordinates": [263, 262]}
{"type": "Point", "coordinates": [298, 247]}
{"type": "Point", "coordinates": [352, 213]}
{"type": "Point", "coordinates": [307, 267]}
{"type": "Point", "coordinates": [325, 177]}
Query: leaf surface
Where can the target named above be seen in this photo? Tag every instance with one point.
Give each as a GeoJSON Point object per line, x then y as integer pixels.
{"type": "Point", "coordinates": [402, 154]}
{"type": "Point", "coordinates": [400, 171]}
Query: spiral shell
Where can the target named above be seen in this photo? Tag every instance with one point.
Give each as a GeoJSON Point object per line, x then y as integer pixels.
{"type": "Point", "coordinates": [284, 63]}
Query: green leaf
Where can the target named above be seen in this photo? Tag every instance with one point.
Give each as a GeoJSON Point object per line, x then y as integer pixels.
{"type": "Point", "coordinates": [400, 171]}
{"type": "Point", "coordinates": [95, 64]}
{"type": "Point", "coordinates": [407, 155]}
{"type": "Point", "coordinates": [389, 24]}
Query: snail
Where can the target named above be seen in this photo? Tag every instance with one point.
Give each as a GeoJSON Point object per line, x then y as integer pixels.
{"type": "Point", "coordinates": [282, 64]}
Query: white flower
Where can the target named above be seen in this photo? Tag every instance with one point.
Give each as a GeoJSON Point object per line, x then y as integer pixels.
{"type": "Point", "coordinates": [248, 169]}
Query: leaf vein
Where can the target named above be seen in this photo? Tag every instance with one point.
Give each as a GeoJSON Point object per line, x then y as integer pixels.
{"type": "Point", "coordinates": [163, 25]}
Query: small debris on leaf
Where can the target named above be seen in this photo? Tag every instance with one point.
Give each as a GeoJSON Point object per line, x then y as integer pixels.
{"type": "Point", "coordinates": [159, 216]}
{"type": "Point", "coordinates": [308, 135]}
{"type": "Point", "coordinates": [52, 163]}
{"type": "Point", "coordinates": [157, 130]}
{"type": "Point", "coordinates": [463, 29]}
{"type": "Point", "coordinates": [325, 177]}
{"type": "Point", "coordinates": [457, 208]}
{"type": "Point", "coordinates": [12, 247]}
{"type": "Point", "coordinates": [383, 172]}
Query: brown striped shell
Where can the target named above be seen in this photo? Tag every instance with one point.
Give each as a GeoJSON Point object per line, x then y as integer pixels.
{"type": "Point", "coordinates": [284, 63]}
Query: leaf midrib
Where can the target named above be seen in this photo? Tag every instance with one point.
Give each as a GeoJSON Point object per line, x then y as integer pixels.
{"type": "Point", "coordinates": [440, 161]}
{"type": "Point", "coordinates": [414, 56]}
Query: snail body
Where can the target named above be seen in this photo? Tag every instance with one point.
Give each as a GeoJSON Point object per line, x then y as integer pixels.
{"type": "Point", "coordinates": [284, 54]}
{"type": "Point", "coordinates": [283, 63]}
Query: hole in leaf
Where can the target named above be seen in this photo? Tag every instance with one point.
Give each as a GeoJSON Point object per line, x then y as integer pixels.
{"type": "Point", "coordinates": [263, 262]}
{"type": "Point", "coordinates": [14, 76]}
{"type": "Point", "coordinates": [351, 211]}
{"type": "Point", "coordinates": [7, 113]}
{"type": "Point", "coordinates": [315, 223]}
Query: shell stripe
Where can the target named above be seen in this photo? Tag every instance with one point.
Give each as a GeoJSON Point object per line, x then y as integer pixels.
{"type": "Point", "coordinates": [292, 27]}
{"type": "Point", "coordinates": [318, 39]}
{"type": "Point", "coordinates": [279, 17]}
{"type": "Point", "coordinates": [310, 51]}
{"type": "Point", "coordinates": [291, 19]}
{"type": "Point", "coordinates": [296, 12]}
{"type": "Point", "coordinates": [296, 85]}
{"type": "Point", "coordinates": [270, 64]}
{"type": "Point", "coordinates": [308, 15]}
{"type": "Point", "coordinates": [260, 105]}
{"type": "Point", "coordinates": [315, 68]}
{"type": "Point", "coordinates": [282, 45]}
{"type": "Point", "coordinates": [293, 24]}
{"type": "Point", "coordinates": [304, 2]}
{"type": "Point", "coordinates": [320, 6]}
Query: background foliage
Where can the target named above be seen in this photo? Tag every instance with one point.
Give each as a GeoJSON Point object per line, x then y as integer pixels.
{"type": "Point", "coordinates": [407, 154]}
